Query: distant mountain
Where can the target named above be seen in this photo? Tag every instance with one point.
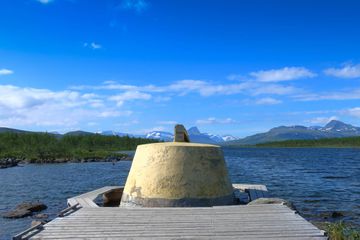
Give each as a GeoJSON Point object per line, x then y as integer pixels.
{"type": "Point", "coordinates": [194, 134]}
{"type": "Point", "coordinates": [340, 127]}
{"type": "Point", "coordinates": [78, 133]}
{"type": "Point", "coordinates": [12, 130]}
{"type": "Point", "coordinates": [160, 135]}
{"type": "Point", "coordinates": [113, 133]}
{"type": "Point", "coordinates": [333, 129]}
{"type": "Point", "coordinates": [228, 138]}
{"type": "Point", "coordinates": [193, 131]}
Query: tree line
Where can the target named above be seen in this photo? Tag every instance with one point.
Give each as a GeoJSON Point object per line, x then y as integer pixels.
{"type": "Point", "coordinates": [324, 142]}
{"type": "Point", "coordinates": [47, 147]}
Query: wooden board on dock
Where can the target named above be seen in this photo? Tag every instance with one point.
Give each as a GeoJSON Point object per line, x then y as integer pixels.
{"type": "Point", "coordinates": [254, 191]}
{"type": "Point", "coordinates": [247, 192]}
{"type": "Point", "coordinates": [87, 199]}
{"type": "Point", "coordinates": [270, 221]}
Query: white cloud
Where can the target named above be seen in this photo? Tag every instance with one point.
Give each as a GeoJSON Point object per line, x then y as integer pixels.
{"type": "Point", "coordinates": [13, 97]}
{"type": "Point", "coordinates": [204, 88]}
{"type": "Point", "coordinates": [213, 120]}
{"type": "Point", "coordinates": [5, 71]}
{"type": "Point", "coordinates": [45, 1]}
{"type": "Point", "coordinates": [92, 45]}
{"type": "Point", "coordinates": [338, 95]}
{"type": "Point", "coordinates": [89, 95]}
{"type": "Point", "coordinates": [128, 96]}
{"type": "Point", "coordinates": [114, 113]}
{"type": "Point", "coordinates": [207, 89]}
{"type": "Point", "coordinates": [162, 99]}
{"type": "Point", "coordinates": [354, 112]}
{"type": "Point", "coordinates": [275, 89]}
{"type": "Point", "coordinates": [109, 82]}
{"type": "Point", "coordinates": [267, 101]}
{"type": "Point", "coordinates": [20, 107]}
{"type": "Point", "coordinates": [248, 87]}
{"type": "Point", "coordinates": [283, 74]}
{"type": "Point", "coordinates": [348, 71]}
{"type": "Point", "coordinates": [136, 5]}
{"type": "Point", "coordinates": [321, 120]}
{"type": "Point", "coordinates": [95, 45]}
{"type": "Point", "coordinates": [236, 77]}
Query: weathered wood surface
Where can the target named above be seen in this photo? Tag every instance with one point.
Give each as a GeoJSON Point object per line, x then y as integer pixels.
{"type": "Point", "coordinates": [87, 199]}
{"type": "Point", "coordinates": [248, 192]}
{"type": "Point", "coordinates": [268, 221]}
{"type": "Point", "coordinates": [254, 191]}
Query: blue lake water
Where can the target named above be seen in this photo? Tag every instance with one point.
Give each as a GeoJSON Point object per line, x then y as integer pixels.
{"type": "Point", "coordinates": [317, 180]}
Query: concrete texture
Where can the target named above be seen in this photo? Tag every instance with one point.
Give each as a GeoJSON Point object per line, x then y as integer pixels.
{"type": "Point", "coordinates": [178, 174]}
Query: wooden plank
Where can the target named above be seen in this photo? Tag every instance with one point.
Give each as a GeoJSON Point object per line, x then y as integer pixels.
{"type": "Point", "coordinates": [270, 221]}
{"type": "Point", "coordinates": [255, 191]}
{"type": "Point", "coordinates": [87, 199]}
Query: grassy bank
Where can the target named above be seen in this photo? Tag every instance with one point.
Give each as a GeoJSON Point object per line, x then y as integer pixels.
{"type": "Point", "coordinates": [340, 231]}
{"type": "Point", "coordinates": [45, 147]}
{"type": "Point", "coordinates": [325, 142]}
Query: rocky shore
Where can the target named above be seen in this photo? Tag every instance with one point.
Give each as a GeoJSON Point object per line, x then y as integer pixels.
{"type": "Point", "coordinates": [25, 209]}
{"type": "Point", "coordinates": [9, 162]}
{"type": "Point", "coordinates": [13, 162]}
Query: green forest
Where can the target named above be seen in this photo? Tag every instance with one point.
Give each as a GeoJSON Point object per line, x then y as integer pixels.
{"type": "Point", "coordinates": [47, 147]}
{"type": "Point", "coordinates": [325, 142]}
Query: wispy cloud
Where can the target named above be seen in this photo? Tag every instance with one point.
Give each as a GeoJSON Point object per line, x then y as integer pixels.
{"type": "Point", "coordinates": [207, 89]}
{"type": "Point", "coordinates": [213, 120]}
{"type": "Point", "coordinates": [92, 45]}
{"type": "Point", "coordinates": [114, 113]}
{"type": "Point", "coordinates": [135, 5]}
{"type": "Point", "coordinates": [275, 89]}
{"type": "Point", "coordinates": [348, 71]}
{"type": "Point", "coordinates": [348, 94]}
{"type": "Point", "coordinates": [5, 71]}
{"type": "Point", "coordinates": [354, 112]}
{"type": "Point", "coordinates": [283, 74]}
{"type": "Point", "coordinates": [201, 87]}
{"type": "Point", "coordinates": [236, 77]}
{"type": "Point", "coordinates": [45, 1]}
{"type": "Point", "coordinates": [267, 101]}
{"type": "Point", "coordinates": [321, 120]}
{"type": "Point", "coordinates": [129, 96]}
{"type": "Point", "coordinates": [43, 107]}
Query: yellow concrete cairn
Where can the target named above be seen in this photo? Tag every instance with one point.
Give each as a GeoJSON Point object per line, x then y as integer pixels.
{"type": "Point", "coordinates": [175, 174]}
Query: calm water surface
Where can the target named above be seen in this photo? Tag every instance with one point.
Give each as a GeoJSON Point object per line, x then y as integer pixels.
{"type": "Point", "coordinates": [318, 181]}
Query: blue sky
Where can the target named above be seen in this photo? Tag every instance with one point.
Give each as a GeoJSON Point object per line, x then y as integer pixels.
{"type": "Point", "coordinates": [228, 67]}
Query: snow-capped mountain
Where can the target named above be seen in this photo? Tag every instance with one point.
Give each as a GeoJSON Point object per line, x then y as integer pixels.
{"type": "Point", "coordinates": [216, 138]}
{"type": "Point", "coordinates": [194, 134]}
{"type": "Point", "coordinates": [227, 138]}
{"type": "Point", "coordinates": [160, 135]}
{"type": "Point", "coordinates": [337, 126]}
{"type": "Point", "coordinates": [333, 129]}
{"type": "Point", "coordinates": [113, 133]}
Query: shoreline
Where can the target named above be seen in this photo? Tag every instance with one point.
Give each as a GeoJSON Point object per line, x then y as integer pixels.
{"type": "Point", "coordinates": [254, 146]}
{"type": "Point", "coordinates": [16, 162]}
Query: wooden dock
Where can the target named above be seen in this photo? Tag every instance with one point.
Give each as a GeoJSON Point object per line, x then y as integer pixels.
{"type": "Point", "coordinates": [263, 221]}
